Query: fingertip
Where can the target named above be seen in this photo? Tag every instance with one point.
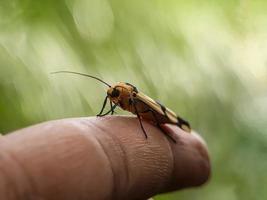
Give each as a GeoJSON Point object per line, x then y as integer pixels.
{"type": "Point", "coordinates": [171, 165]}
{"type": "Point", "coordinates": [191, 159]}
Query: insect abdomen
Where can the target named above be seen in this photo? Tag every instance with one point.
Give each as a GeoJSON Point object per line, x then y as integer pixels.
{"type": "Point", "coordinates": [183, 124]}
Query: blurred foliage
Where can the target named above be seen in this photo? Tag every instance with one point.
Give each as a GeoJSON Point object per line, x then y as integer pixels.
{"type": "Point", "coordinates": [206, 60]}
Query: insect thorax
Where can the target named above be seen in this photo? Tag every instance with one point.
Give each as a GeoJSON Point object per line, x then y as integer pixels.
{"type": "Point", "coordinates": [121, 94]}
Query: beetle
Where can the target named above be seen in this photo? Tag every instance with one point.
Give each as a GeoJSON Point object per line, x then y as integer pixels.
{"type": "Point", "coordinates": [128, 97]}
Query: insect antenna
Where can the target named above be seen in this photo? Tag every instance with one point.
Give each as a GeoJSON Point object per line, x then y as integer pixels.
{"type": "Point", "coordinates": [87, 75]}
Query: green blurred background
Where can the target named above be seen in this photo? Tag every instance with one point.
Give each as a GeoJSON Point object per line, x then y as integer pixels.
{"type": "Point", "coordinates": [206, 60]}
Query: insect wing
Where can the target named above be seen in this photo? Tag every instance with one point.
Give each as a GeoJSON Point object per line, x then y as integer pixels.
{"type": "Point", "coordinates": [157, 107]}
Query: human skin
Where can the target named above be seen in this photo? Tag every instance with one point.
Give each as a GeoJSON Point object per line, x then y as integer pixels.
{"type": "Point", "coordinates": [99, 159]}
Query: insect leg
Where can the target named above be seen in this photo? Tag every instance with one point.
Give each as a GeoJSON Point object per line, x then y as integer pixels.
{"type": "Point", "coordinates": [158, 125]}
{"type": "Point", "coordinates": [139, 118]}
{"type": "Point", "coordinates": [183, 124]}
{"type": "Point", "coordinates": [103, 107]}
{"type": "Point", "coordinates": [163, 108]}
{"type": "Point", "coordinates": [110, 111]}
{"type": "Point", "coordinates": [111, 108]}
{"type": "Point", "coordinates": [180, 122]}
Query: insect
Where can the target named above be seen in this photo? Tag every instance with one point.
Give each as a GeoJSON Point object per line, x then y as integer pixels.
{"type": "Point", "coordinates": [127, 96]}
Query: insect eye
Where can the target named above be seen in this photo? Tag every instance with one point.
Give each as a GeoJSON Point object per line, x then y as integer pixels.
{"type": "Point", "coordinates": [115, 93]}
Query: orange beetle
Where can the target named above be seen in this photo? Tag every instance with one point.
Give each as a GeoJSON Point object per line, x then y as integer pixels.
{"type": "Point", "coordinates": [126, 96]}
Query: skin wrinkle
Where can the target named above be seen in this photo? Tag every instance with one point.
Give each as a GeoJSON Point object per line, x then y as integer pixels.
{"type": "Point", "coordinates": [70, 128]}
{"type": "Point", "coordinates": [171, 157]}
{"type": "Point", "coordinates": [78, 146]}
{"type": "Point", "coordinates": [157, 160]}
{"type": "Point", "coordinates": [198, 155]}
{"type": "Point", "coordinates": [149, 153]}
{"type": "Point", "coordinates": [201, 153]}
{"type": "Point", "coordinates": [60, 154]}
{"type": "Point", "coordinates": [124, 164]}
{"type": "Point", "coordinates": [172, 164]}
{"type": "Point", "coordinates": [30, 180]}
{"type": "Point", "coordinates": [91, 125]}
{"type": "Point", "coordinates": [195, 180]}
{"type": "Point", "coordinates": [167, 150]}
{"type": "Point", "coordinates": [85, 134]}
{"type": "Point", "coordinates": [9, 185]}
{"type": "Point", "coordinates": [122, 154]}
{"type": "Point", "coordinates": [22, 172]}
{"type": "Point", "coordinates": [204, 164]}
{"type": "Point", "coordinates": [16, 194]}
{"type": "Point", "coordinates": [145, 155]}
{"type": "Point", "coordinates": [113, 193]}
